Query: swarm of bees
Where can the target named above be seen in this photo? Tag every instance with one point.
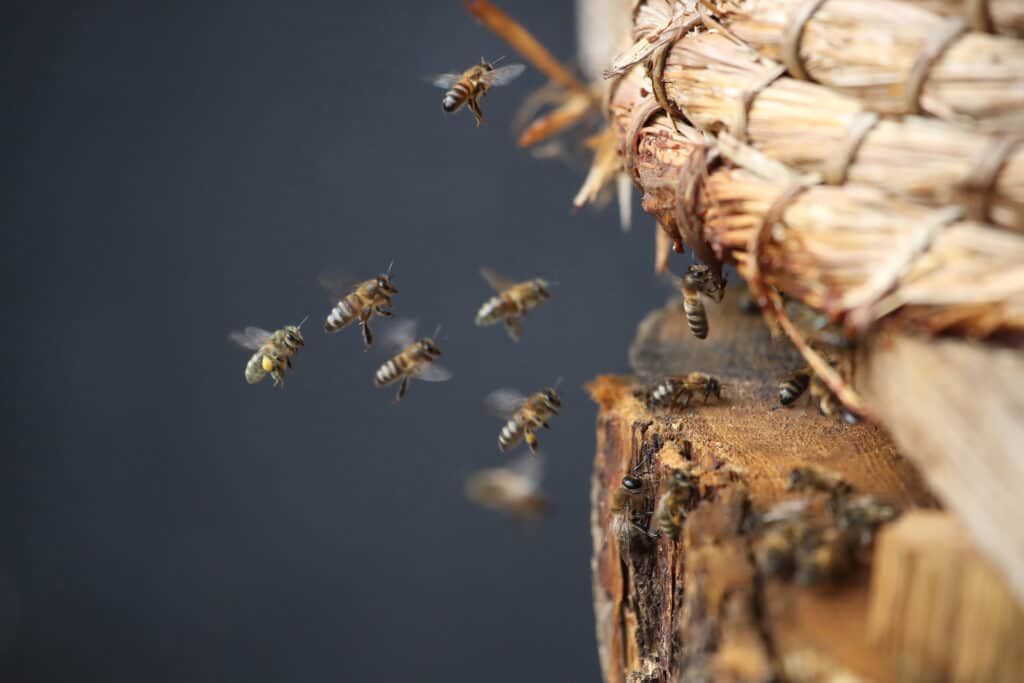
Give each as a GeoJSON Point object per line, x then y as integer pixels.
{"type": "Point", "coordinates": [821, 536]}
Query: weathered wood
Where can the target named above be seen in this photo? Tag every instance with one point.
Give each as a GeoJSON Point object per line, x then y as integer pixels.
{"type": "Point", "coordinates": [957, 409]}
{"type": "Point", "coordinates": [938, 608]}
{"type": "Point", "coordinates": [696, 609]}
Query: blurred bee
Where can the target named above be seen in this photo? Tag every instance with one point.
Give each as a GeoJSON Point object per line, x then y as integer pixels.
{"type": "Point", "coordinates": [775, 548]}
{"type": "Point", "coordinates": [670, 393]}
{"type": "Point", "coordinates": [828, 404]}
{"type": "Point", "coordinates": [794, 385]}
{"type": "Point", "coordinates": [860, 516]}
{"type": "Point", "coordinates": [822, 554]}
{"type": "Point", "coordinates": [807, 478]}
{"type": "Point", "coordinates": [513, 301]}
{"type": "Point", "coordinates": [525, 415]}
{"type": "Point", "coordinates": [467, 88]}
{"type": "Point", "coordinates": [414, 361]}
{"type": "Point", "coordinates": [359, 302]}
{"type": "Point", "coordinates": [513, 489]}
{"type": "Point", "coordinates": [273, 351]}
{"type": "Point", "coordinates": [678, 493]}
{"type": "Point", "coordinates": [697, 281]}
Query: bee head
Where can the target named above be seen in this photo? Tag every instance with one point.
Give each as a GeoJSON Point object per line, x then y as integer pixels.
{"type": "Point", "coordinates": [714, 388]}
{"type": "Point", "coordinates": [428, 348]}
{"type": "Point", "coordinates": [796, 479]}
{"type": "Point", "coordinates": [632, 484]}
{"type": "Point", "coordinates": [384, 284]}
{"type": "Point", "coordinates": [551, 400]}
{"type": "Point", "coordinates": [293, 336]}
{"type": "Point", "coordinates": [542, 287]}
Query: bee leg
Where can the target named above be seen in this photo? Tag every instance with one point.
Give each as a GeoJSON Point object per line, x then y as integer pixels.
{"type": "Point", "coordinates": [531, 441]}
{"type": "Point", "coordinates": [289, 361]}
{"type": "Point", "coordinates": [514, 329]}
{"type": "Point", "coordinates": [401, 389]}
{"type": "Point", "coordinates": [546, 425]}
{"type": "Point", "coordinates": [385, 312]}
{"type": "Point", "coordinates": [364, 323]}
{"type": "Point", "coordinates": [474, 107]}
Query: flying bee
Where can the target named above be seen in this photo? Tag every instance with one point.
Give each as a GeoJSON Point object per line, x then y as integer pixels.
{"type": "Point", "coordinates": [525, 415]}
{"type": "Point", "coordinates": [678, 493]}
{"type": "Point", "coordinates": [513, 489]}
{"type": "Point", "coordinates": [359, 302]}
{"type": "Point", "coordinates": [414, 361]}
{"type": "Point", "coordinates": [467, 88]}
{"type": "Point", "coordinates": [512, 302]}
{"type": "Point", "coordinates": [794, 385]}
{"type": "Point", "coordinates": [273, 351]}
{"type": "Point", "coordinates": [699, 281]}
{"type": "Point", "coordinates": [675, 392]}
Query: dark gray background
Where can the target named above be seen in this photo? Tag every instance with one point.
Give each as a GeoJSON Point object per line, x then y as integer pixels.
{"type": "Point", "coordinates": [175, 170]}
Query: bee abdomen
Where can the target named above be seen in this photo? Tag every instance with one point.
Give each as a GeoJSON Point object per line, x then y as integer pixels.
{"type": "Point", "coordinates": [510, 435]}
{"type": "Point", "coordinates": [662, 393]}
{"type": "Point", "coordinates": [491, 311]}
{"type": "Point", "coordinates": [792, 388]}
{"type": "Point", "coordinates": [254, 368]}
{"type": "Point", "coordinates": [696, 317]}
{"type": "Point", "coordinates": [340, 316]}
{"type": "Point", "coordinates": [387, 373]}
{"type": "Point", "coordinates": [455, 98]}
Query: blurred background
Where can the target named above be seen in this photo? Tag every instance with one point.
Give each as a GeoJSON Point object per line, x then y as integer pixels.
{"type": "Point", "coordinates": [177, 170]}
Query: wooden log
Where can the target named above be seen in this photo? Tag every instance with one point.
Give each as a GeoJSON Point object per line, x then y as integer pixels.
{"type": "Point", "coordinates": [697, 608]}
{"type": "Point", "coordinates": [939, 610]}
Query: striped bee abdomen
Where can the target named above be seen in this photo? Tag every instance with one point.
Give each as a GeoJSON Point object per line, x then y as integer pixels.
{"type": "Point", "coordinates": [511, 434]}
{"type": "Point", "coordinates": [495, 309]}
{"type": "Point", "coordinates": [254, 368]}
{"type": "Point", "coordinates": [791, 388]}
{"type": "Point", "coordinates": [456, 97]}
{"type": "Point", "coordinates": [663, 393]}
{"type": "Point", "coordinates": [696, 316]}
{"type": "Point", "coordinates": [388, 373]}
{"type": "Point", "coordinates": [341, 315]}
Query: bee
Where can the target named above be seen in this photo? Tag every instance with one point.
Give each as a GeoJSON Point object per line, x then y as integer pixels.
{"type": "Point", "coordinates": [829, 404]}
{"type": "Point", "coordinates": [513, 489]}
{"type": "Point", "coordinates": [860, 516]}
{"type": "Point", "coordinates": [697, 281]}
{"type": "Point", "coordinates": [414, 361]}
{"type": "Point", "coordinates": [622, 507]}
{"type": "Point", "coordinates": [513, 301]}
{"type": "Point", "coordinates": [273, 351]}
{"type": "Point", "coordinates": [807, 478]}
{"type": "Point", "coordinates": [525, 415]}
{"type": "Point", "coordinates": [679, 492]}
{"type": "Point", "coordinates": [472, 84]}
{"type": "Point", "coordinates": [794, 385]}
{"type": "Point", "coordinates": [670, 393]}
{"type": "Point", "coordinates": [821, 554]}
{"type": "Point", "coordinates": [359, 302]}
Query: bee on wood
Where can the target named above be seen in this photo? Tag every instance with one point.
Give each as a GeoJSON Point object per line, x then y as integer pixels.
{"type": "Point", "coordinates": [525, 415]}
{"type": "Point", "coordinates": [512, 302]}
{"type": "Point", "coordinates": [861, 516]}
{"type": "Point", "coordinates": [813, 479]}
{"type": "Point", "coordinates": [358, 301]}
{"type": "Point", "coordinates": [822, 554]}
{"type": "Point", "coordinates": [679, 491]}
{"type": "Point", "coordinates": [829, 404]}
{"type": "Point", "coordinates": [699, 281]}
{"type": "Point", "coordinates": [794, 385]}
{"type": "Point", "coordinates": [513, 489]}
{"type": "Point", "coordinates": [414, 361]}
{"type": "Point", "coordinates": [467, 88]}
{"type": "Point", "coordinates": [625, 501]}
{"type": "Point", "coordinates": [273, 351]}
{"type": "Point", "coordinates": [674, 393]}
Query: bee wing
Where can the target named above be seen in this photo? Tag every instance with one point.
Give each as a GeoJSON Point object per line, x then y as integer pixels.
{"type": "Point", "coordinates": [496, 280]}
{"type": "Point", "coordinates": [401, 333]}
{"type": "Point", "coordinates": [251, 338]}
{"type": "Point", "coordinates": [503, 75]}
{"type": "Point", "coordinates": [338, 284]}
{"type": "Point", "coordinates": [504, 402]}
{"type": "Point", "coordinates": [529, 467]}
{"type": "Point", "coordinates": [445, 81]}
{"type": "Point", "coordinates": [432, 372]}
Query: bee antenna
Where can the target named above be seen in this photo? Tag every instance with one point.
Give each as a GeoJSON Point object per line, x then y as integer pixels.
{"type": "Point", "coordinates": [390, 266]}
{"type": "Point", "coordinates": [558, 382]}
{"type": "Point", "coordinates": [437, 331]}
{"type": "Point", "coordinates": [303, 322]}
{"type": "Point", "coordinates": [496, 60]}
